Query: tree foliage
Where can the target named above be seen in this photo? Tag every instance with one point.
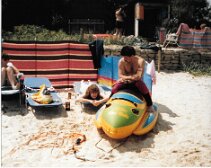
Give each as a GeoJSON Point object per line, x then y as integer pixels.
{"type": "Point", "coordinates": [192, 12]}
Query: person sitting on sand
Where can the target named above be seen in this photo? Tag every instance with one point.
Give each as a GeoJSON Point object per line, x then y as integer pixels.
{"type": "Point", "coordinates": [92, 95]}
{"type": "Point", "coordinates": [9, 73]}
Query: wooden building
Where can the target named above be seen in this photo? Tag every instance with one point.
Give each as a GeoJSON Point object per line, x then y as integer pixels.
{"type": "Point", "coordinates": [98, 16]}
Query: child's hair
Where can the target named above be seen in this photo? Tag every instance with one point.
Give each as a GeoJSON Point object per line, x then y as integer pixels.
{"type": "Point", "coordinates": [5, 57]}
{"type": "Point", "coordinates": [92, 88]}
{"type": "Point", "coordinates": [128, 51]}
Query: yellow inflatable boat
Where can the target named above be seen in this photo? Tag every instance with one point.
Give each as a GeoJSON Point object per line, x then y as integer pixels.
{"type": "Point", "coordinates": [125, 114]}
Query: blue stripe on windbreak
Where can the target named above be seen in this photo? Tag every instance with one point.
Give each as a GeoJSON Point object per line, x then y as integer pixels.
{"type": "Point", "coordinates": [196, 39]}
{"type": "Point", "coordinates": [127, 97]}
{"type": "Point", "coordinates": [194, 45]}
{"type": "Point", "coordinates": [183, 38]}
{"type": "Point", "coordinates": [202, 33]}
{"type": "Point", "coordinates": [202, 39]}
{"type": "Point", "coordinates": [197, 33]}
{"type": "Point", "coordinates": [204, 45]}
{"type": "Point", "coordinates": [186, 45]}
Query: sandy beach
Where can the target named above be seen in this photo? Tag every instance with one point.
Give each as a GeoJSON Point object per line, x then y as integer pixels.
{"type": "Point", "coordinates": [181, 137]}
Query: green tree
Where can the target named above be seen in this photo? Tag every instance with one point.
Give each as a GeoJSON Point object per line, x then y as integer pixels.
{"type": "Point", "coordinates": [192, 12]}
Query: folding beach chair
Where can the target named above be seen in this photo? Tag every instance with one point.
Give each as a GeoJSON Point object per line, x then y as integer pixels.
{"type": "Point", "coordinates": [32, 85]}
{"type": "Point", "coordinates": [171, 38]}
{"type": "Point", "coordinates": [7, 91]}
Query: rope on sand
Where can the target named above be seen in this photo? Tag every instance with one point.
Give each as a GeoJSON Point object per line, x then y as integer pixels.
{"type": "Point", "coordinates": [120, 144]}
{"type": "Point", "coordinates": [54, 140]}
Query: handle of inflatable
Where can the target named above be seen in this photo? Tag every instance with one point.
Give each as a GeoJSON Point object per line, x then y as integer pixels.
{"type": "Point", "coordinates": [125, 100]}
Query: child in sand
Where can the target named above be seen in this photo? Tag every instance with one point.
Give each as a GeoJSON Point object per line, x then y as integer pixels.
{"type": "Point", "coordinates": [92, 95]}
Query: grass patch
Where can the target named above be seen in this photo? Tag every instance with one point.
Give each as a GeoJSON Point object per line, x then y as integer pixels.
{"type": "Point", "coordinates": [197, 69]}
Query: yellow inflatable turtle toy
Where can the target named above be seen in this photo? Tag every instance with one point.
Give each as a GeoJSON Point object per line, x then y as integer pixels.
{"type": "Point", "coordinates": [125, 114]}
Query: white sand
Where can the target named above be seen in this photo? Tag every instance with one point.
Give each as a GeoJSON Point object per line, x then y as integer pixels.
{"type": "Point", "coordinates": [182, 136]}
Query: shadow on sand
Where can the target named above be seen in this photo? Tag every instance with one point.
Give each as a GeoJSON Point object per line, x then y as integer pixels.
{"type": "Point", "coordinates": [46, 113]}
{"type": "Point", "coordinates": [90, 109]}
{"type": "Point", "coordinates": [11, 107]}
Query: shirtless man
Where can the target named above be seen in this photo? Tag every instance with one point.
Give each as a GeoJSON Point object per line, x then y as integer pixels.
{"type": "Point", "coordinates": [9, 73]}
{"type": "Point", "coordinates": [119, 22]}
{"type": "Point", "coordinates": [130, 71]}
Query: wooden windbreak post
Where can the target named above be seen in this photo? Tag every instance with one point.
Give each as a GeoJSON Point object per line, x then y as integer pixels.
{"type": "Point", "coordinates": [159, 58]}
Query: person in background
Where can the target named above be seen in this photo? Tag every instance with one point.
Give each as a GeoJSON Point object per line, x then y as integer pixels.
{"type": "Point", "coordinates": [120, 15]}
{"type": "Point", "coordinates": [183, 27]}
{"type": "Point", "coordinates": [9, 73]}
{"type": "Point", "coordinates": [203, 26]}
{"type": "Point", "coordinates": [92, 95]}
{"type": "Point", "coordinates": [130, 71]}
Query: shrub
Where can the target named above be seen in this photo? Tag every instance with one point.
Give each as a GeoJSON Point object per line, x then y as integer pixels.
{"type": "Point", "coordinates": [39, 33]}
{"type": "Point", "coordinates": [32, 33]}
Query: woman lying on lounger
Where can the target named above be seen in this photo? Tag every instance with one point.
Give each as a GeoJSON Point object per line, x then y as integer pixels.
{"type": "Point", "coordinates": [93, 96]}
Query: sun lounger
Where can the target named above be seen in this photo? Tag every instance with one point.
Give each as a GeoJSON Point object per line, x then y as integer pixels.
{"type": "Point", "coordinates": [8, 91]}
{"type": "Point", "coordinates": [32, 85]}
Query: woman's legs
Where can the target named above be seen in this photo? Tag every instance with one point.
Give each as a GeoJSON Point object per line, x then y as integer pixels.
{"type": "Point", "coordinates": [12, 79]}
{"type": "Point", "coordinates": [119, 28]}
{"type": "Point", "coordinates": [3, 75]}
{"type": "Point", "coordinates": [119, 34]}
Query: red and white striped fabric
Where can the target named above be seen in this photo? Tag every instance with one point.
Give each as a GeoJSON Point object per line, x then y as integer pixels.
{"type": "Point", "coordinates": [61, 62]}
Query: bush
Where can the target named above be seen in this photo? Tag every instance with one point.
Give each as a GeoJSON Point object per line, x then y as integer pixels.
{"type": "Point", "coordinates": [38, 33]}
{"type": "Point", "coordinates": [124, 40]}
{"type": "Point", "coordinates": [32, 33]}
